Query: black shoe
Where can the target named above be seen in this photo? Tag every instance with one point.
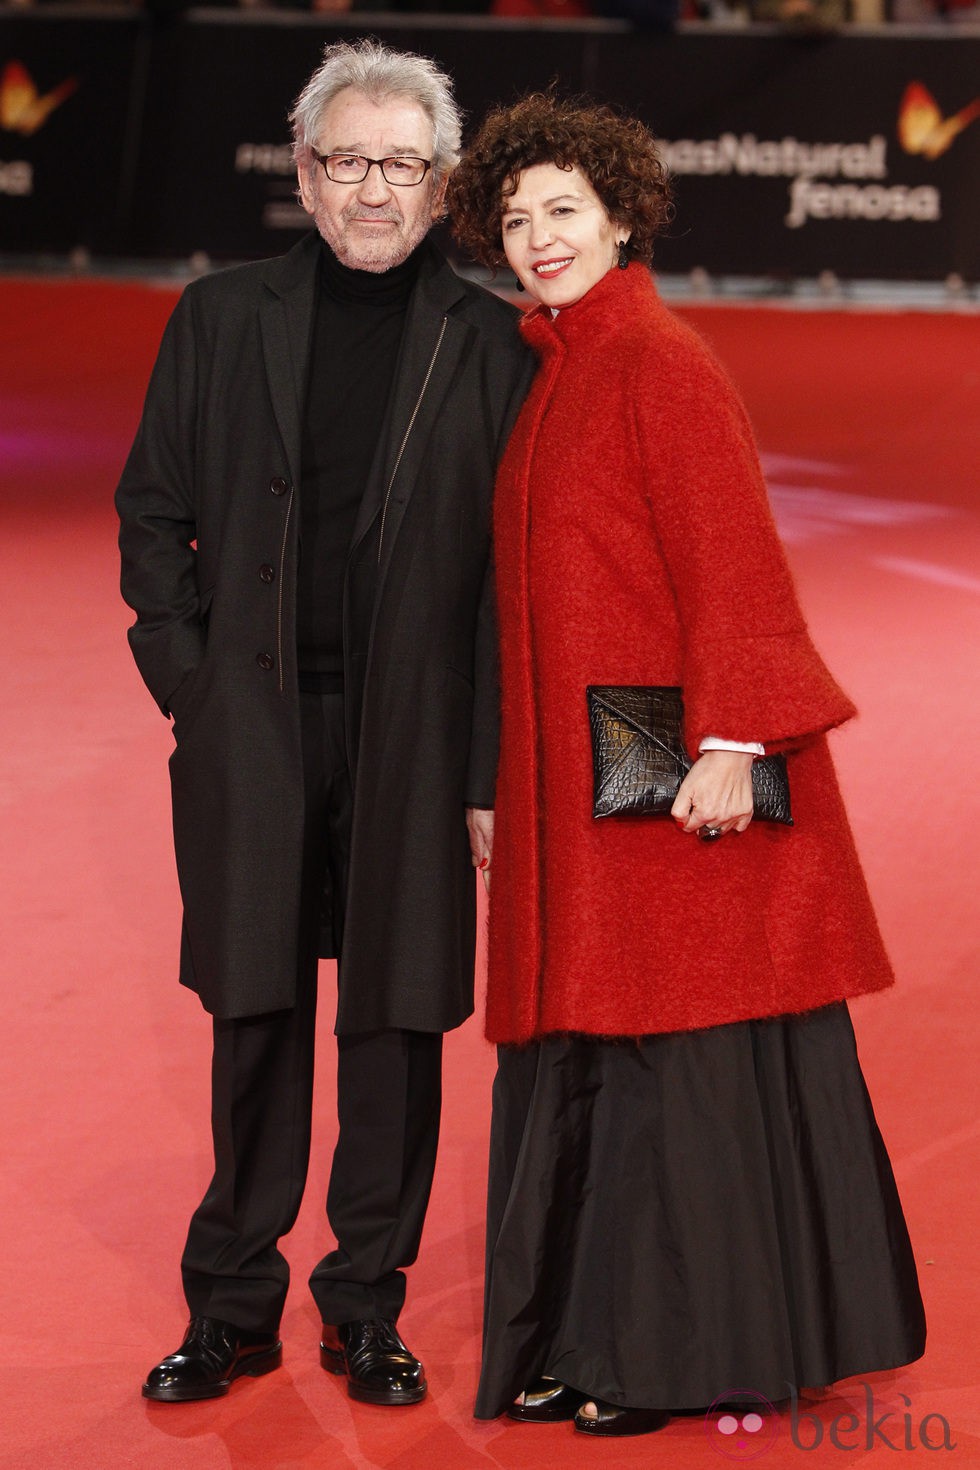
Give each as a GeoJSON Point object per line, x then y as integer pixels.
{"type": "Point", "coordinates": [547, 1401]}
{"type": "Point", "coordinates": [379, 1367]}
{"type": "Point", "coordinates": [210, 1356]}
{"type": "Point", "coordinates": [614, 1423]}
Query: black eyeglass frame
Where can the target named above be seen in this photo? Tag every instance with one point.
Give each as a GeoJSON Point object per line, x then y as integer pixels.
{"type": "Point", "coordinates": [324, 159]}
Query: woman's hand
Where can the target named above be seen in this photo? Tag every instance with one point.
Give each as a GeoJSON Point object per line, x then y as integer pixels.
{"type": "Point", "coordinates": [479, 824]}
{"type": "Point", "coordinates": [716, 792]}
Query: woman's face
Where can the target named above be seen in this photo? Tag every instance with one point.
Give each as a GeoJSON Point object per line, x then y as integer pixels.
{"type": "Point", "coordinates": [557, 236]}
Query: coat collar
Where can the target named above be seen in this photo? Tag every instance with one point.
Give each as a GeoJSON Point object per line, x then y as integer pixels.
{"type": "Point", "coordinates": [597, 315]}
{"type": "Point", "coordinates": [433, 345]}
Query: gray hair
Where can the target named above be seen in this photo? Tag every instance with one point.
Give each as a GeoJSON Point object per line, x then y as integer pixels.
{"type": "Point", "coordinates": [380, 74]}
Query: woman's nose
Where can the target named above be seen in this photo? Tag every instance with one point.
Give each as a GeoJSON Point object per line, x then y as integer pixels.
{"type": "Point", "coordinates": [541, 233]}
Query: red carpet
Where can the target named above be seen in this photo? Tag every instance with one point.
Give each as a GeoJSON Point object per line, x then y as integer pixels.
{"type": "Point", "coordinates": [869, 425]}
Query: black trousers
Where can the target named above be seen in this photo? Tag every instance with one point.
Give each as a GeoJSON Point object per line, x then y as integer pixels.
{"type": "Point", "coordinates": [388, 1105]}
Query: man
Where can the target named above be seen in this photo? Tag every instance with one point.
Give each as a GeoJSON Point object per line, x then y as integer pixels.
{"type": "Point", "coordinates": [305, 529]}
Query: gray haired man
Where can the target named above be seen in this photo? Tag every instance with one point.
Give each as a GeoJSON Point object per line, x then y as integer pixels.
{"type": "Point", "coordinates": [305, 522]}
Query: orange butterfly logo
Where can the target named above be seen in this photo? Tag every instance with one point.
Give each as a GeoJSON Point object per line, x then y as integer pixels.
{"type": "Point", "coordinates": [921, 125]}
{"type": "Point", "coordinates": [22, 109]}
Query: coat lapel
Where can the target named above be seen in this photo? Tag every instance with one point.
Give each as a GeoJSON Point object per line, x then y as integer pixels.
{"type": "Point", "coordinates": [433, 345]}
{"type": "Point", "coordinates": [286, 319]}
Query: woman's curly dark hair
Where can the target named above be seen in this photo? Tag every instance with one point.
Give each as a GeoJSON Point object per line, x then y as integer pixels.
{"type": "Point", "coordinates": [616, 154]}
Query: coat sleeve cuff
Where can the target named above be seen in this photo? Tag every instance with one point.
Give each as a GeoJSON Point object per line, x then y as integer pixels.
{"type": "Point", "coordinates": [774, 689]}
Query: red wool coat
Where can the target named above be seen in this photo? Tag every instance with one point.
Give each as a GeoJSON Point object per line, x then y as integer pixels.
{"type": "Point", "coordinates": [635, 545]}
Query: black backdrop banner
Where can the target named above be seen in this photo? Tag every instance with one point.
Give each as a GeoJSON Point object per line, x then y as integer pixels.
{"type": "Point", "coordinates": [67, 129]}
{"type": "Point", "coordinates": [794, 156]}
{"type": "Point", "coordinates": [855, 153]}
{"type": "Point", "coordinates": [217, 172]}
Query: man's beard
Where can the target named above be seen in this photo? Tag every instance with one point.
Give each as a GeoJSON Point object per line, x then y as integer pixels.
{"type": "Point", "coordinates": [358, 249]}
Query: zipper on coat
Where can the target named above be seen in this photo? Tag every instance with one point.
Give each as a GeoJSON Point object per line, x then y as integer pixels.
{"type": "Point", "coordinates": [411, 425]}
{"type": "Point", "coordinates": [282, 583]}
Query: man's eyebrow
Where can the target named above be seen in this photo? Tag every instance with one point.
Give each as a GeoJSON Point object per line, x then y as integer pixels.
{"type": "Point", "coordinates": [399, 150]}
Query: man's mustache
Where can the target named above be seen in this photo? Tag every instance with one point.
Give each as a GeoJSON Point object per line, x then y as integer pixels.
{"type": "Point", "coordinates": [366, 211]}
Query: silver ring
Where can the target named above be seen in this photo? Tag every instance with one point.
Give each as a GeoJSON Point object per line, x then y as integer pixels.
{"type": "Point", "coordinates": [709, 834]}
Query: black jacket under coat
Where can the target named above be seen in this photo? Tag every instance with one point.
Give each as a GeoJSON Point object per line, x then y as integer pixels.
{"type": "Point", "coordinates": [209, 541]}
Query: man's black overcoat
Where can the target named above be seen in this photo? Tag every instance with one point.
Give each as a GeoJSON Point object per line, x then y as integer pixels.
{"type": "Point", "coordinates": [209, 540]}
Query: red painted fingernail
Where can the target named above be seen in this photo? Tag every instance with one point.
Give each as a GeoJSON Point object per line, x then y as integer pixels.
{"type": "Point", "coordinates": [484, 863]}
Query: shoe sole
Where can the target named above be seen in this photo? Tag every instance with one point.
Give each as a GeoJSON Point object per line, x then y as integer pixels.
{"type": "Point", "coordinates": [390, 1398]}
{"type": "Point", "coordinates": [333, 1362]}
{"type": "Point", "coordinates": [253, 1367]}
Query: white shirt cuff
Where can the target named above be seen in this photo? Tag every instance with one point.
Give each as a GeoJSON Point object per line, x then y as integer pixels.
{"type": "Point", "coordinates": [712, 742]}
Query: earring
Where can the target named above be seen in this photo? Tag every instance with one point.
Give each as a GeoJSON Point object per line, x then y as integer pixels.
{"type": "Point", "coordinates": [518, 283]}
{"type": "Point", "coordinates": [624, 260]}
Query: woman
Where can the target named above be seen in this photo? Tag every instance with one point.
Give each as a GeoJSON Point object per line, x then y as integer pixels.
{"type": "Point", "coordinates": [688, 1192]}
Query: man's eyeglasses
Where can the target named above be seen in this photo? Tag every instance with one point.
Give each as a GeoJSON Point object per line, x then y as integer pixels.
{"type": "Point", "coordinates": [352, 168]}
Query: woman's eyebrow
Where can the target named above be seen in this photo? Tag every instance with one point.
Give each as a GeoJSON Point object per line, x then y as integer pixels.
{"type": "Point", "coordinates": [556, 199]}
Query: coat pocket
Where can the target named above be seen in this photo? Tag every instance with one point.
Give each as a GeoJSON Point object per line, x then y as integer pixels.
{"type": "Point", "coordinates": [186, 698]}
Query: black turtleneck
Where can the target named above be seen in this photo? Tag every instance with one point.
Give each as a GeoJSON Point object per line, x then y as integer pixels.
{"type": "Point", "coordinates": [360, 316]}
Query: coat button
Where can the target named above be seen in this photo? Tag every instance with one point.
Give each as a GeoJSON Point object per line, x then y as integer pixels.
{"type": "Point", "coordinates": [265, 661]}
{"type": "Point", "coordinates": [278, 486]}
{"type": "Point", "coordinates": [267, 573]}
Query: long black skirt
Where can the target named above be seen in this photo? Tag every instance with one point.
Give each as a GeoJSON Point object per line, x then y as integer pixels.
{"type": "Point", "coordinates": [675, 1216]}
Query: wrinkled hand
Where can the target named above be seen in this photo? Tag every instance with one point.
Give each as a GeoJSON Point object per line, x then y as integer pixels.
{"type": "Point", "coordinates": [716, 792]}
{"type": "Point", "coordinates": [479, 824]}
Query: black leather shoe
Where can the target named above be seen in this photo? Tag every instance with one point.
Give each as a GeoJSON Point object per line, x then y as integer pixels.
{"type": "Point", "coordinates": [615, 1423]}
{"type": "Point", "coordinates": [210, 1356]}
{"type": "Point", "coordinates": [547, 1401]}
{"type": "Point", "coordinates": [379, 1367]}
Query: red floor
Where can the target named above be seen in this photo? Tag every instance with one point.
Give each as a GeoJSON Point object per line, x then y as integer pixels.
{"type": "Point", "coordinates": [869, 427]}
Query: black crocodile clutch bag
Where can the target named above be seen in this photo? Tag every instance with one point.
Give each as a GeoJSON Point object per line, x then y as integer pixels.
{"type": "Point", "coordinates": [639, 759]}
